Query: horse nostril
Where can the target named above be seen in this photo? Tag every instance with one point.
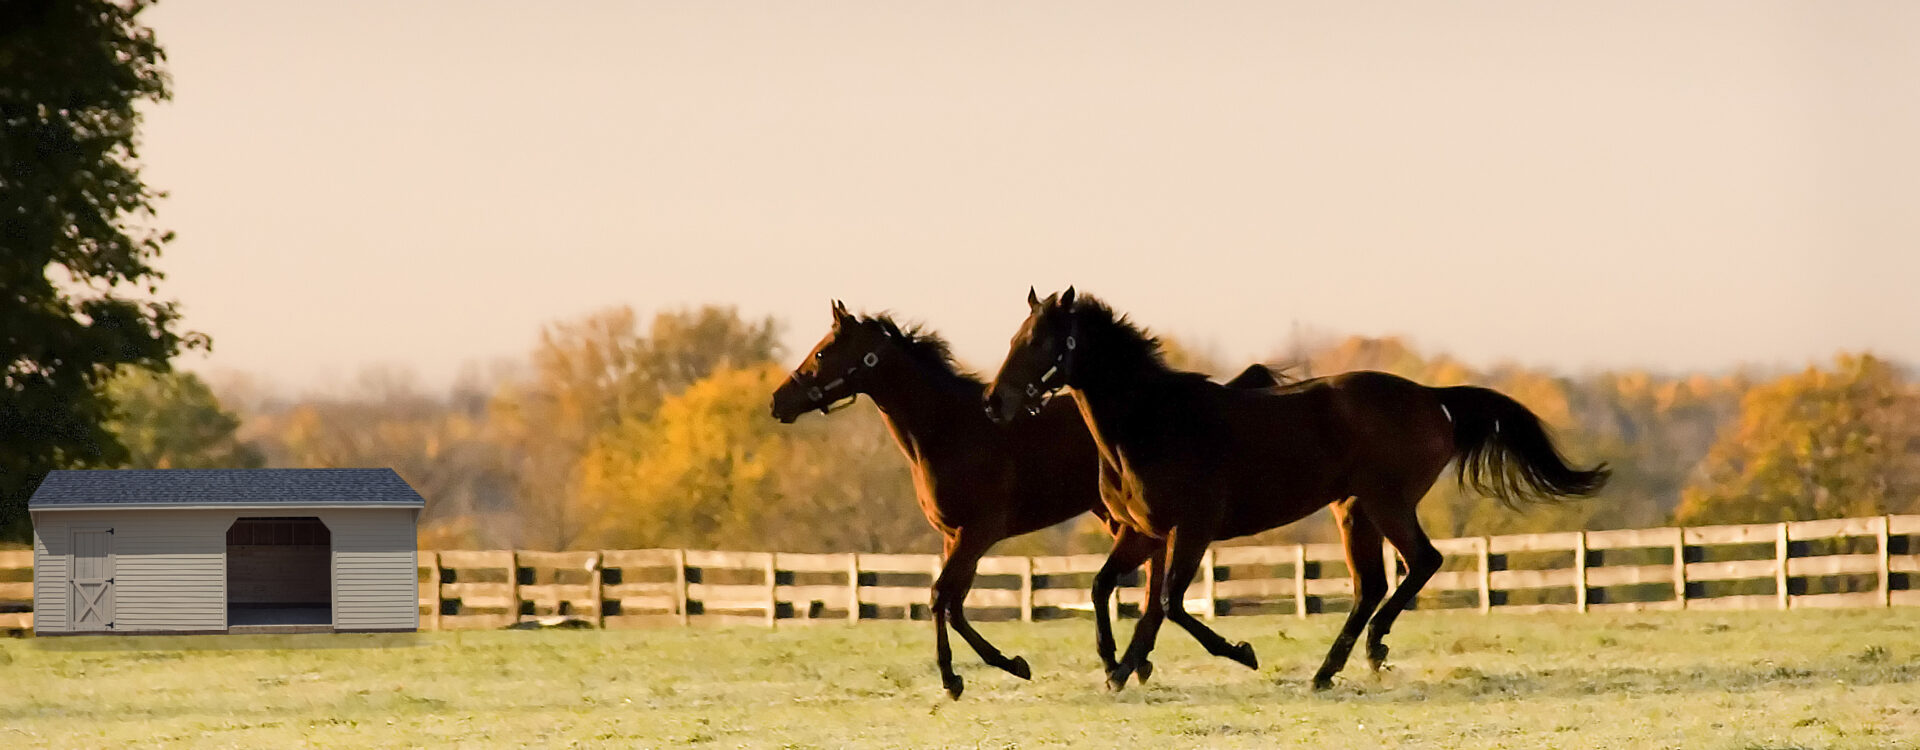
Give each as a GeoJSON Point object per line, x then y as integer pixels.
{"type": "Point", "coordinates": [997, 408]}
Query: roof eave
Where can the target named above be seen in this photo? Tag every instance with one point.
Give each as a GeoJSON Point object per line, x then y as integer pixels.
{"type": "Point", "coordinates": [221, 506]}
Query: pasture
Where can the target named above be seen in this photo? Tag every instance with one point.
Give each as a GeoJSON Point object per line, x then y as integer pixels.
{"type": "Point", "coordinates": [1832, 678]}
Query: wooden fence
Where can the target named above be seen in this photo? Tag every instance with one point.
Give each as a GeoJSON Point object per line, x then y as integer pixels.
{"type": "Point", "coordinates": [1850, 562]}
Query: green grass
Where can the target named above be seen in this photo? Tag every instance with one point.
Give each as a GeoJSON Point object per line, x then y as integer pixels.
{"type": "Point", "coordinates": [1736, 680]}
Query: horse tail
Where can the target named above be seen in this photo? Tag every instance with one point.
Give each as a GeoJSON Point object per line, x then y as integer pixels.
{"type": "Point", "coordinates": [1503, 451]}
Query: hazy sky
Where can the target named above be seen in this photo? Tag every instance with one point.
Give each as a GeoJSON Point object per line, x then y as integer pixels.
{"type": "Point", "coordinates": [1576, 185]}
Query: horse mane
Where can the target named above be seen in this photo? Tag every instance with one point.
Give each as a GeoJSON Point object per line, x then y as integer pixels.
{"type": "Point", "coordinates": [925, 347]}
{"type": "Point", "coordinates": [1122, 340]}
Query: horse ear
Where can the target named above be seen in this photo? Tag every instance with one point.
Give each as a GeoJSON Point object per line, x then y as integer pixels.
{"type": "Point", "coordinates": [840, 311]}
{"type": "Point", "coordinates": [1033, 300]}
{"type": "Point", "coordinates": [1066, 298]}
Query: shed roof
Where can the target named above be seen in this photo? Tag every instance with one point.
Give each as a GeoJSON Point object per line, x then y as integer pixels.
{"type": "Point", "coordinates": [175, 488]}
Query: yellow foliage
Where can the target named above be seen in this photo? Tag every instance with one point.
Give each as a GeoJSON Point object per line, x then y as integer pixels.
{"type": "Point", "coordinates": [694, 471]}
{"type": "Point", "coordinates": [1817, 444]}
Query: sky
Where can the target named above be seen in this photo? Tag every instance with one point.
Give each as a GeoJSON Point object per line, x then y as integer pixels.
{"type": "Point", "coordinates": [1574, 185]}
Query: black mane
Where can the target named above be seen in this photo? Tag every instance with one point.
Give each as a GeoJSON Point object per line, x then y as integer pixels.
{"type": "Point", "coordinates": [924, 346]}
{"type": "Point", "coordinates": [1121, 341]}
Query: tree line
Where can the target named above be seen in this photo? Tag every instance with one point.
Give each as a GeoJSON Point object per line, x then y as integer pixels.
{"type": "Point", "coordinates": [619, 433]}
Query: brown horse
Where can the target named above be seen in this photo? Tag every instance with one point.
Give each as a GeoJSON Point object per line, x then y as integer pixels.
{"type": "Point", "coordinates": [1185, 461]}
{"type": "Point", "coordinates": [977, 482]}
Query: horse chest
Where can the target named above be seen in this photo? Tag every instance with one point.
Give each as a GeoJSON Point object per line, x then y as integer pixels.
{"type": "Point", "coordinates": [1126, 500]}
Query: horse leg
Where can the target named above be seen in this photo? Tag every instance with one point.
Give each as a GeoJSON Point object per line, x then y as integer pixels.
{"type": "Point", "coordinates": [1401, 528]}
{"type": "Point", "coordinates": [1362, 540]}
{"type": "Point", "coordinates": [1130, 548]}
{"type": "Point", "coordinates": [956, 579]}
{"type": "Point", "coordinates": [1189, 550]}
{"type": "Point", "coordinates": [943, 653]}
{"type": "Point", "coordinates": [1144, 631]}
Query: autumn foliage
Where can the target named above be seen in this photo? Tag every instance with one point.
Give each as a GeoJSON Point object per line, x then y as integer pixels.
{"type": "Point", "coordinates": [620, 433]}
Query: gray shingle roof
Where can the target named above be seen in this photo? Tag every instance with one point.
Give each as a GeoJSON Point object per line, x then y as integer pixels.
{"type": "Point", "coordinates": [253, 487]}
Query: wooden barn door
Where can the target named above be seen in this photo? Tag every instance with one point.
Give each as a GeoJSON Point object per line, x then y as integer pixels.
{"type": "Point", "coordinates": [91, 604]}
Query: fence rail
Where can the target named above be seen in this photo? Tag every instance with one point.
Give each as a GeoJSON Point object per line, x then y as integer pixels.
{"type": "Point", "coordinates": [1846, 562]}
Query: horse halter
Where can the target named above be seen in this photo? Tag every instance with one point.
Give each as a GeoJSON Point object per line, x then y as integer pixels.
{"type": "Point", "coordinates": [1054, 378]}
{"type": "Point", "coordinates": [825, 397]}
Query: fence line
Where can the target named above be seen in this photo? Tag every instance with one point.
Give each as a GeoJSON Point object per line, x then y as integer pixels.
{"type": "Point", "coordinates": [1846, 562]}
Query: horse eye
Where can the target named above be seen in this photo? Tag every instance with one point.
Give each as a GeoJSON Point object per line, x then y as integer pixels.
{"type": "Point", "coordinates": [819, 355]}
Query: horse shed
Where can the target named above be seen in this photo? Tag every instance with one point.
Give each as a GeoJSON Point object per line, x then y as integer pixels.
{"type": "Point", "coordinates": [224, 551]}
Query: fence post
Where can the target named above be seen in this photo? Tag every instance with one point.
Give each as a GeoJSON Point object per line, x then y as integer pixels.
{"type": "Point", "coordinates": [1680, 566]}
{"type": "Point", "coordinates": [1026, 589]}
{"type": "Point", "coordinates": [853, 587]}
{"type": "Point", "coordinates": [513, 586]}
{"type": "Point", "coordinates": [773, 590]}
{"type": "Point", "coordinates": [680, 585]}
{"type": "Point", "coordinates": [433, 585]}
{"type": "Point", "coordinates": [1580, 570]}
{"type": "Point", "coordinates": [596, 589]}
{"type": "Point", "coordinates": [1207, 583]}
{"type": "Point", "coordinates": [1300, 581]}
{"type": "Point", "coordinates": [1484, 551]}
{"type": "Point", "coordinates": [1882, 536]}
{"type": "Point", "coordinates": [1780, 564]}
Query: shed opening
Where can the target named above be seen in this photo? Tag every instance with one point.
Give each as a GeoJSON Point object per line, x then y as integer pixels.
{"type": "Point", "coordinates": [279, 572]}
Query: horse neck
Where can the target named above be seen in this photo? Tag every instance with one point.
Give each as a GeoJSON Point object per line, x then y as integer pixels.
{"type": "Point", "coordinates": [920, 408]}
{"type": "Point", "coordinates": [1108, 394]}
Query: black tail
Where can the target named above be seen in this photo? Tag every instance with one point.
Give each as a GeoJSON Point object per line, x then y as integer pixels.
{"type": "Point", "coordinates": [1504, 452]}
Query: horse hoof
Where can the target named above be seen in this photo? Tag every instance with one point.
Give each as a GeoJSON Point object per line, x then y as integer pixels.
{"type": "Point", "coordinates": [1145, 671]}
{"type": "Point", "coordinates": [1243, 653]}
{"type": "Point", "coordinates": [955, 686]}
{"type": "Point", "coordinates": [1018, 666]}
{"type": "Point", "coordinates": [1116, 680]}
{"type": "Point", "coordinates": [1322, 683]}
{"type": "Point", "coordinates": [1377, 656]}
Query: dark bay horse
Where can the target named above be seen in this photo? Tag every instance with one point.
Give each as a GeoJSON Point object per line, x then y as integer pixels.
{"type": "Point", "coordinates": [977, 482]}
{"type": "Point", "coordinates": [1186, 462]}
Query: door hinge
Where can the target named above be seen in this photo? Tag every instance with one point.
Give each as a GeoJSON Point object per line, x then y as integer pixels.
{"type": "Point", "coordinates": [109, 529]}
{"type": "Point", "coordinates": [109, 580]}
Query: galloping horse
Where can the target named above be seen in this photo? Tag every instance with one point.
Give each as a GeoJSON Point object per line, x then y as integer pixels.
{"type": "Point", "coordinates": [1186, 462]}
{"type": "Point", "coordinates": [977, 482]}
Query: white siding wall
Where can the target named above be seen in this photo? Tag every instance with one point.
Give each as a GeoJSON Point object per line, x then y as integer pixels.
{"type": "Point", "coordinates": [49, 573]}
{"type": "Point", "coordinates": [170, 568]}
{"type": "Point", "coordinates": [376, 575]}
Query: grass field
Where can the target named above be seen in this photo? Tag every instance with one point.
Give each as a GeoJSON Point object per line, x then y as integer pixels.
{"type": "Point", "coordinates": [1737, 680]}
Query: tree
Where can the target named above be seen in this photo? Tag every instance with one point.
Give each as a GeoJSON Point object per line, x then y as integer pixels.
{"type": "Point", "coordinates": [1818, 444]}
{"type": "Point", "coordinates": [76, 245]}
{"type": "Point", "coordinates": [700, 472]}
{"type": "Point", "coordinates": [172, 421]}
{"type": "Point", "coordinates": [592, 373]}
{"type": "Point", "coordinates": [710, 468]}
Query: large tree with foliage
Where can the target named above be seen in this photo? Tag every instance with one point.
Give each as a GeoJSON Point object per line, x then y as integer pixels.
{"type": "Point", "coordinates": [77, 245]}
{"type": "Point", "coordinates": [711, 468]}
{"type": "Point", "coordinates": [589, 375]}
{"type": "Point", "coordinates": [171, 420]}
{"type": "Point", "coordinates": [1818, 444]}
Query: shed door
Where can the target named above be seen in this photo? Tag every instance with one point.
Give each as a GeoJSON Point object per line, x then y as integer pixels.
{"type": "Point", "coordinates": [92, 603]}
